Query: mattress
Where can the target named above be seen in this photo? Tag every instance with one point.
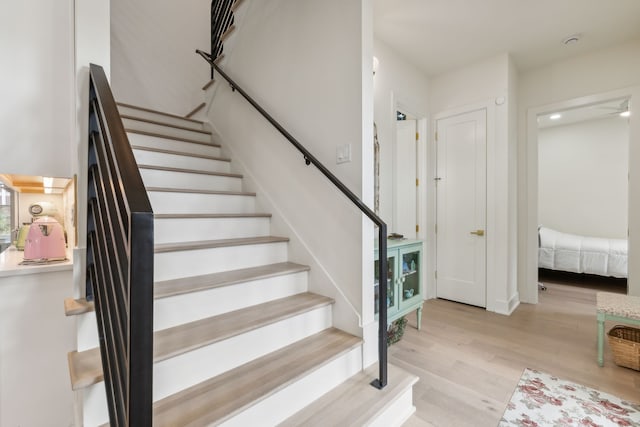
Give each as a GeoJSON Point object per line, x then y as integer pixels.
{"type": "Point", "coordinates": [581, 254]}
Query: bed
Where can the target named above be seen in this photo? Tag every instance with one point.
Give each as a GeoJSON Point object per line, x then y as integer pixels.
{"type": "Point", "coordinates": [581, 254]}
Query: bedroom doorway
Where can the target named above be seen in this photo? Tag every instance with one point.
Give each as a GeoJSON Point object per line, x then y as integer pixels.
{"type": "Point", "coordinates": [583, 189]}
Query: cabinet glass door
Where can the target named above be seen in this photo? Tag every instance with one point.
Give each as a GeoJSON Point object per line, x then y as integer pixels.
{"type": "Point", "coordinates": [391, 270]}
{"type": "Point", "coordinates": [409, 275]}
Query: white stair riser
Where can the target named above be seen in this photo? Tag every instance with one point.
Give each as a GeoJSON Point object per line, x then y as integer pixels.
{"type": "Point", "coordinates": [144, 157]}
{"type": "Point", "coordinates": [397, 412]}
{"type": "Point", "coordinates": [284, 403]}
{"type": "Point", "coordinates": [191, 181]}
{"type": "Point", "coordinates": [178, 373]}
{"type": "Point", "coordinates": [197, 203]}
{"type": "Point", "coordinates": [179, 309]}
{"type": "Point", "coordinates": [150, 115]}
{"type": "Point", "coordinates": [172, 265]}
{"type": "Point", "coordinates": [87, 327]}
{"type": "Point", "coordinates": [94, 405]}
{"type": "Point", "coordinates": [172, 230]}
{"type": "Point", "coordinates": [173, 145]}
{"type": "Point", "coordinates": [175, 310]}
{"type": "Point", "coordinates": [166, 130]}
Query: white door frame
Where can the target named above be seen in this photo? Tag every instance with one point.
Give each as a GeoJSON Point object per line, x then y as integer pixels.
{"type": "Point", "coordinates": [529, 257]}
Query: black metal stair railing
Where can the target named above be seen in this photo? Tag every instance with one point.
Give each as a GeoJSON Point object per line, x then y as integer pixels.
{"type": "Point", "coordinates": [222, 18]}
{"type": "Point", "coordinates": [381, 382]}
{"type": "Point", "coordinates": [119, 260]}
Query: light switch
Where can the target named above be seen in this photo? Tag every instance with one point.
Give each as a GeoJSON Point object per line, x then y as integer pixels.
{"type": "Point", "coordinates": [343, 153]}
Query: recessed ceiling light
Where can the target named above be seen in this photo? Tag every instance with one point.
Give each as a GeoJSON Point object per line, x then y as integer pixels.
{"type": "Point", "coordinates": [625, 113]}
{"type": "Point", "coordinates": [555, 116]}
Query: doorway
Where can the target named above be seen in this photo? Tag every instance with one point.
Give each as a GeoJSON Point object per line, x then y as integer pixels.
{"type": "Point", "coordinates": [583, 169]}
{"type": "Point", "coordinates": [405, 196]}
{"type": "Point", "coordinates": [461, 190]}
{"type": "Point", "coordinates": [529, 250]}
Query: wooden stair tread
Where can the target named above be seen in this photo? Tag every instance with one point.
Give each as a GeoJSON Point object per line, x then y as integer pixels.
{"type": "Point", "coordinates": [188, 190]}
{"type": "Point", "coordinates": [184, 285]}
{"type": "Point", "coordinates": [195, 110]}
{"type": "Point", "coordinates": [355, 402]}
{"type": "Point", "coordinates": [227, 33]}
{"type": "Point", "coordinates": [178, 153]}
{"type": "Point", "coordinates": [236, 4]}
{"type": "Point", "coordinates": [149, 110]}
{"type": "Point", "coordinates": [208, 215]}
{"type": "Point", "coordinates": [74, 306]}
{"type": "Point", "coordinates": [183, 170]}
{"type": "Point", "coordinates": [85, 367]}
{"type": "Point", "coordinates": [208, 84]}
{"type": "Point", "coordinates": [220, 243]}
{"type": "Point", "coordinates": [175, 138]}
{"type": "Point", "coordinates": [182, 338]}
{"type": "Point", "coordinates": [223, 396]}
{"type": "Point", "coordinates": [169, 125]}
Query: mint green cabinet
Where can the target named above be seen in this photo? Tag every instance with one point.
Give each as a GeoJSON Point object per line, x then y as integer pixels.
{"type": "Point", "coordinates": [404, 279]}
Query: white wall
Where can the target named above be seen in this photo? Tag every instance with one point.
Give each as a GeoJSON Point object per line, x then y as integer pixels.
{"type": "Point", "coordinates": [565, 83]}
{"type": "Point", "coordinates": [46, 49]}
{"type": "Point", "coordinates": [488, 84]}
{"type": "Point", "coordinates": [153, 59]}
{"type": "Point", "coordinates": [396, 81]}
{"type": "Point", "coordinates": [37, 87]}
{"type": "Point", "coordinates": [512, 249]}
{"type": "Point", "coordinates": [35, 337]}
{"type": "Point", "coordinates": [398, 84]}
{"type": "Point", "coordinates": [582, 177]}
{"type": "Point", "coordinates": [92, 46]}
{"type": "Point", "coordinates": [320, 101]}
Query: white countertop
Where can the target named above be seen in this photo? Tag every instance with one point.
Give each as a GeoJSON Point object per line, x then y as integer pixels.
{"type": "Point", "coordinates": [394, 243]}
{"type": "Point", "coordinates": [11, 258]}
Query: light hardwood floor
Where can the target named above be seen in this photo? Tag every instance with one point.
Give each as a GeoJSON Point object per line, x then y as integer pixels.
{"type": "Point", "coordinates": [469, 360]}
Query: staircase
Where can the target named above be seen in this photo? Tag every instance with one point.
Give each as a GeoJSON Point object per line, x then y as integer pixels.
{"type": "Point", "coordinates": [238, 339]}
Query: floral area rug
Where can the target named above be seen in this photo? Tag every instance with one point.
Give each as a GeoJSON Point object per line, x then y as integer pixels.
{"type": "Point", "coordinates": [543, 400]}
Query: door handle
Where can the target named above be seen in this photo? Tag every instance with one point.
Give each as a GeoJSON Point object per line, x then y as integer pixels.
{"type": "Point", "coordinates": [478, 232]}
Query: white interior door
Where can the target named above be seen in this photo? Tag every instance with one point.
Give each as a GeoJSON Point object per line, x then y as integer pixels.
{"type": "Point", "coordinates": [405, 194]}
{"type": "Point", "coordinates": [461, 208]}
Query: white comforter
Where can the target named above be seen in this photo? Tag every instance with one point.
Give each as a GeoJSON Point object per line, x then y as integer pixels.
{"type": "Point", "coordinates": [580, 254]}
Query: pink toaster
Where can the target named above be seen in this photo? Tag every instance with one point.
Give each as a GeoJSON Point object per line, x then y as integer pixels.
{"type": "Point", "coordinates": [45, 240]}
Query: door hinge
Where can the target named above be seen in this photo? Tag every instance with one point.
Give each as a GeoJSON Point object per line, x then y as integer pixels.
{"type": "Point", "coordinates": [417, 182]}
{"type": "Point", "coordinates": [436, 273]}
{"type": "Point", "coordinates": [436, 136]}
{"type": "Point", "coordinates": [436, 227]}
{"type": "Point", "coordinates": [417, 136]}
{"type": "Point", "coordinates": [417, 228]}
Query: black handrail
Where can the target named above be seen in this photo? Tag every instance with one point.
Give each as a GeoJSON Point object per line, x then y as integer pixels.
{"type": "Point", "coordinates": [119, 260]}
{"type": "Point", "coordinates": [382, 227]}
